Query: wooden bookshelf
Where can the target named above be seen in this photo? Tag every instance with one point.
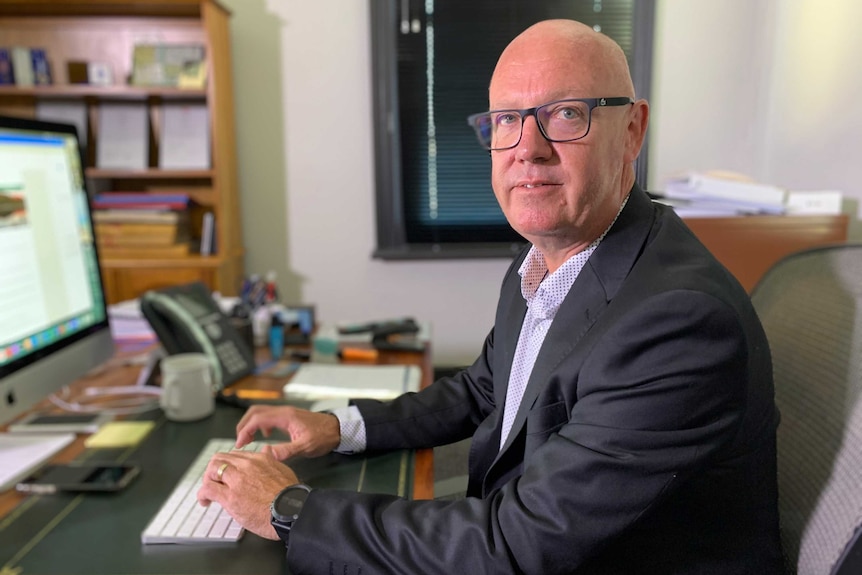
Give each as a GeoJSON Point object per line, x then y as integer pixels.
{"type": "Point", "coordinates": [107, 31]}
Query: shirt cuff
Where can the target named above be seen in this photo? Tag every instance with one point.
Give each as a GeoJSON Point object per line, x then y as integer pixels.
{"type": "Point", "coordinates": [353, 439]}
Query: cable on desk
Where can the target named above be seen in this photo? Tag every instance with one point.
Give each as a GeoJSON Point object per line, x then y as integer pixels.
{"type": "Point", "coordinates": [129, 400]}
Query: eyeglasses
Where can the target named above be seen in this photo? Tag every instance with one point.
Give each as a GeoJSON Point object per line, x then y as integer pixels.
{"type": "Point", "coordinates": [560, 121]}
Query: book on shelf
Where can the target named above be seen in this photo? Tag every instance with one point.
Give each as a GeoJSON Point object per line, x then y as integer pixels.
{"type": "Point", "coordinates": [208, 243]}
{"type": "Point", "coordinates": [164, 206]}
{"type": "Point", "coordinates": [143, 215]}
{"type": "Point", "coordinates": [7, 77]}
{"type": "Point", "coordinates": [22, 66]}
{"type": "Point", "coordinates": [155, 197]}
{"type": "Point", "coordinates": [176, 250]}
{"type": "Point", "coordinates": [41, 68]}
{"type": "Point", "coordinates": [123, 138]}
{"type": "Point", "coordinates": [140, 200]}
{"type": "Point", "coordinates": [140, 239]}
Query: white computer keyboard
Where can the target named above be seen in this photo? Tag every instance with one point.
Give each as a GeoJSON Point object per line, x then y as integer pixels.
{"type": "Point", "coordinates": [182, 520]}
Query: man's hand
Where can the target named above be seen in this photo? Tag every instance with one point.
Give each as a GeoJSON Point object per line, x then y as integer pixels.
{"type": "Point", "coordinates": [311, 434]}
{"type": "Point", "coordinates": [248, 484]}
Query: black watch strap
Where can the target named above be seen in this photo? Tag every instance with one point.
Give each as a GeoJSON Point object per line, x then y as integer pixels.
{"type": "Point", "coordinates": [285, 509]}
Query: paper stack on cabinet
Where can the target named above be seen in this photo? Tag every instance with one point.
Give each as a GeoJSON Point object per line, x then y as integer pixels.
{"type": "Point", "coordinates": [721, 194]}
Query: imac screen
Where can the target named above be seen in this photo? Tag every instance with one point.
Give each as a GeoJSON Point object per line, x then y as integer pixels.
{"type": "Point", "coordinates": [53, 317]}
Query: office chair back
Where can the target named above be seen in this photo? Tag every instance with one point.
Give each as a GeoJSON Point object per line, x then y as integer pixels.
{"type": "Point", "coordinates": [810, 304]}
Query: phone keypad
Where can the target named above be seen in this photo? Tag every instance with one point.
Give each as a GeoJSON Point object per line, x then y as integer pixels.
{"type": "Point", "coordinates": [231, 357]}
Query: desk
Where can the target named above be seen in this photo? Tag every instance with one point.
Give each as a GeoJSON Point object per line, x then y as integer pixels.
{"type": "Point", "coordinates": [100, 533]}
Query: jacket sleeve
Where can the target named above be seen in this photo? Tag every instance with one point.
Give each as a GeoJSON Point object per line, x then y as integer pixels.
{"type": "Point", "coordinates": [448, 410]}
{"type": "Point", "coordinates": [659, 394]}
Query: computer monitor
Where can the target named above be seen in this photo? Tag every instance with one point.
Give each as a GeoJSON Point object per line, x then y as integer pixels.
{"type": "Point", "coordinates": [53, 316]}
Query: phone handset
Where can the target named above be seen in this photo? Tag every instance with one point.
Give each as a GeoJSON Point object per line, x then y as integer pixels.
{"type": "Point", "coordinates": [173, 312]}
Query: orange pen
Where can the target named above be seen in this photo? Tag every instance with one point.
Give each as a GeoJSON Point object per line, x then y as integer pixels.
{"type": "Point", "coordinates": [358, 353]}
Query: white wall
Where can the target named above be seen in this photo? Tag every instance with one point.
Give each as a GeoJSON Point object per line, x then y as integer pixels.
{"type": "Point", "coordinates": [707, 96]}
{"type": "Point", "coordinates": [771, 94]}
{"type": "Point", "coordinates": [815, 119]}
{"type": "Point", "coordinates": [330, 192]}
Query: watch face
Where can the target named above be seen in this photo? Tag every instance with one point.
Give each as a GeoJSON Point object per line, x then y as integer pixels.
{"type": "Point", "coordinates": [289, 502]}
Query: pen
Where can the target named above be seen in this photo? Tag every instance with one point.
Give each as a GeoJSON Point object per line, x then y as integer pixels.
{"type": "Point", "coordinates": [358, 353]}
{"type": "Point", "coordinates": [258, 394]}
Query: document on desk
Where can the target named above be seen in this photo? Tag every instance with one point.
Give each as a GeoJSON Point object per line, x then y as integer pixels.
{"type": "Point", "coordinates": [332, 385]}
{"type": "Point", "coordinates": [23, 453]}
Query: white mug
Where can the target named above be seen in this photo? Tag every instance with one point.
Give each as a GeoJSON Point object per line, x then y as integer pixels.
{"type": "Point", "coordinates": [187, 387]}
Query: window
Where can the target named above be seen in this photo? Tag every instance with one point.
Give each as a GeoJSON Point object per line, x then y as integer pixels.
{"type": "Point", "coordinates": [432, 62]}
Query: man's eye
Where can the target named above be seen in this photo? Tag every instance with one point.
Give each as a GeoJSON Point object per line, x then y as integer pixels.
{"type": "Point", "coordinates": [567, 113]}
{"type": "Point", "coordinates": [506, 119]}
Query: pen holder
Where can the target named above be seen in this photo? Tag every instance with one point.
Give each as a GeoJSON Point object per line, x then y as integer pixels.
{"type": "Point", "coordinates": [324, 347]}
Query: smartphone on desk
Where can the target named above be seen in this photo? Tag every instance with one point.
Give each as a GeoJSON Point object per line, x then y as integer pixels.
{"type": "Point", "coordinates": [61, 422]}
{"type": "Point", "coordinates": [87, 476]}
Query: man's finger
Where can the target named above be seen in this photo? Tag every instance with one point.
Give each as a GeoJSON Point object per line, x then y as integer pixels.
{"type": "Point", "coordinates": [281, 451]}
{"type": "Point", "coordinates": [211, 491]}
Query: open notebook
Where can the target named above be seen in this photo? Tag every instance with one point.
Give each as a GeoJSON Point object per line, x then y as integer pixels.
{"type": "Point", "coordinates": [23, 453]}
{"type": "Point", "coordinates": [331, 385]}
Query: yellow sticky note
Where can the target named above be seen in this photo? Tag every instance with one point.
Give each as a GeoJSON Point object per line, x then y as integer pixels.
{"type": "Point", "coordinates": [120, 434]}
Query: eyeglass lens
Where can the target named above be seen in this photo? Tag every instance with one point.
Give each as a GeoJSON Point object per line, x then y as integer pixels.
{"type": "Point", "coordinates": [560, 121]}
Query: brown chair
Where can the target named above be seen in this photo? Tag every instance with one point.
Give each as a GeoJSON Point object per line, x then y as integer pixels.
{"type": "Point", "coordinates": [810, 304]}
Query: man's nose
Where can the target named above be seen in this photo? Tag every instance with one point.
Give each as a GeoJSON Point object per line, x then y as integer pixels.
{"type": "Point", "coordinates": [533, 145]}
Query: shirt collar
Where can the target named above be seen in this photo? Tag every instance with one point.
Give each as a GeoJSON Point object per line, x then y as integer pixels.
{"type": "Point", "coordinates": [543, 292]}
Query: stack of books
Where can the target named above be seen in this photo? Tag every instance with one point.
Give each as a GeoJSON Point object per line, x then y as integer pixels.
{"type": "Point", "coordinates": [24, 66]}
{"type": "Point", "coordinates": [142, 224]}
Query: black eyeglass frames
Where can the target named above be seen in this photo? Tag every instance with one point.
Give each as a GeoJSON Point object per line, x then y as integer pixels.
{"type": "Point", "coordinates": [559, 121]}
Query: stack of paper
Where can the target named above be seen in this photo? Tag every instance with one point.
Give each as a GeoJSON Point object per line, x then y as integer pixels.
{"type": "Point", "coordinates": [185, 136]}
{"type": "Point", "coordinates": [128, 324]}
{"type": "Point", "coordinates": [123, 141]}
{"type": "Point", "coordinates": [701, 195]}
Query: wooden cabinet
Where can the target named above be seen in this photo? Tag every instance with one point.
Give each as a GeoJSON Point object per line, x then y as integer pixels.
{"type": "Point", "coordinates": [749, 246]}
{"type": "Point", "coordinates": [106, 31]}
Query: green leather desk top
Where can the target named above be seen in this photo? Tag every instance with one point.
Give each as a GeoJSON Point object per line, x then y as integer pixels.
{"type": "Point", "coordinates": [100, 534]}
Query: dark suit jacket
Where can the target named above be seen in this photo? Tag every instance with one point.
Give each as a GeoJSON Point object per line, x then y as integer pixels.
{"type": "Point", "coordinates": [645, 441]}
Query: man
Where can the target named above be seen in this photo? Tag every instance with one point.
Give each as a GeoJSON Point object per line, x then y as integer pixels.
{"type": "Point", "coordinates": [622, 408]}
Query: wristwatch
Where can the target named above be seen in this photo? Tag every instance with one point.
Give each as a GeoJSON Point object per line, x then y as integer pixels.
{"type": "Point", "coordinates": [285, 509]}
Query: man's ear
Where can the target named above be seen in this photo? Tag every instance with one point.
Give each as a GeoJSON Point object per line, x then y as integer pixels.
{"type": "Point", "coordinates": [636, 129]}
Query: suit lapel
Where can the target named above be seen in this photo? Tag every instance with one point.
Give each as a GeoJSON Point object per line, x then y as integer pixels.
{"type": "Point", "coordinates": [595, 287]}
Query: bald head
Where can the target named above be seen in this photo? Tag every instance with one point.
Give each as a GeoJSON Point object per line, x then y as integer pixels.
{"type": "Point", "coordinates": [597, 61]}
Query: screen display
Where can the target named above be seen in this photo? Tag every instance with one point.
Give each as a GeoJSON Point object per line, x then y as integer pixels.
{"type": "Point", "coordinates": [49, 276]}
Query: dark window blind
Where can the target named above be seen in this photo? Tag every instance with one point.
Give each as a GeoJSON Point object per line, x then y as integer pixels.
{"type": "Point", "coordinates": [433, 62]}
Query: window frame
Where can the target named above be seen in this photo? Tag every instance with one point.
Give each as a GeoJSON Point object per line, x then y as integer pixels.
{"type": "Point", "coordinates": [392, 241]}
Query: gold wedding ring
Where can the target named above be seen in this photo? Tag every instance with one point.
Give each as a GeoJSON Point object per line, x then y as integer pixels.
{"type": "Point", "coordinates": [220, 472]}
